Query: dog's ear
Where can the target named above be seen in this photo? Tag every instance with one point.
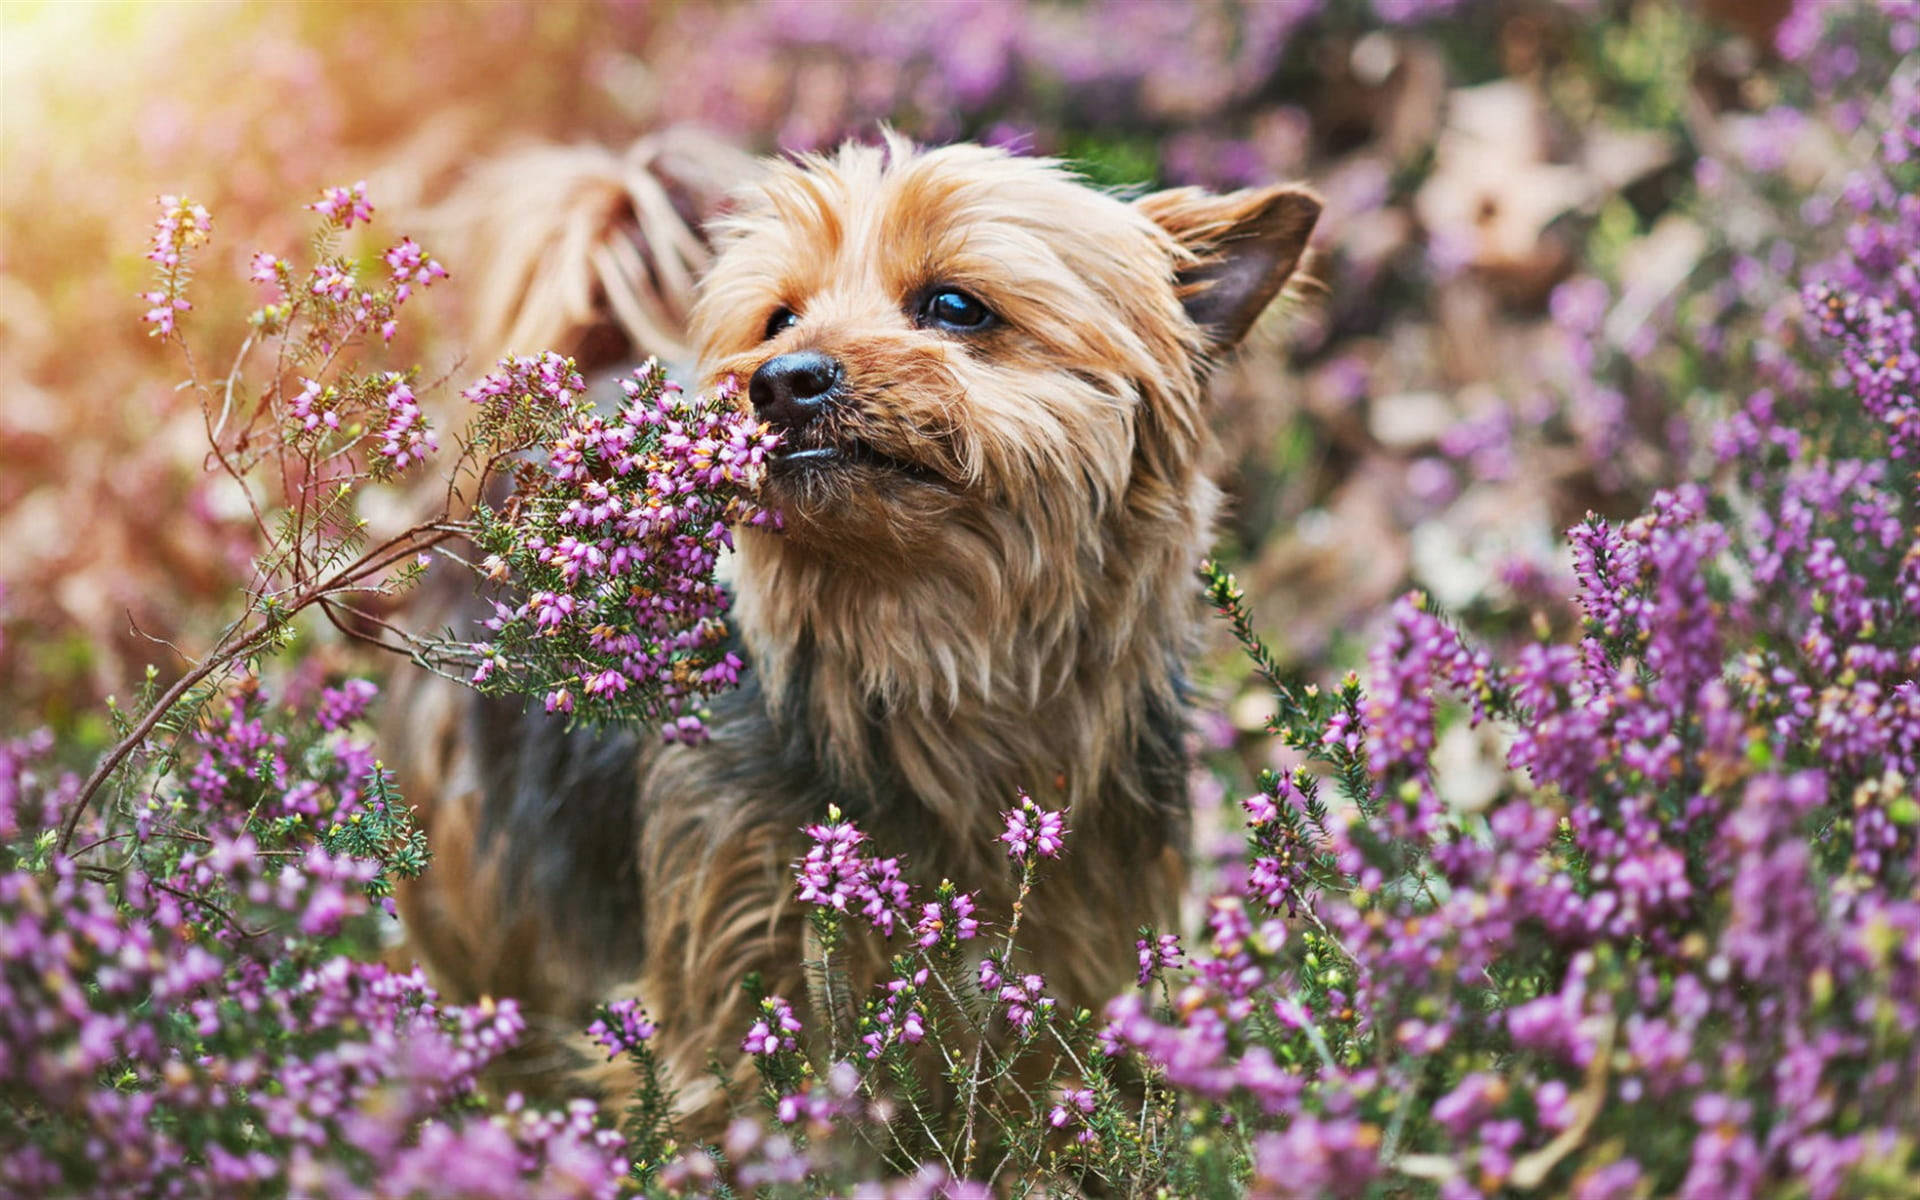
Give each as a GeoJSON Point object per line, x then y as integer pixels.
{"type": "Point", "coordinates": [1245, 246]}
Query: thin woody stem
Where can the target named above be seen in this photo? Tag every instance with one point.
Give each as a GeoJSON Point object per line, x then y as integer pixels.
{"type": "Point", "coordinates": [973, 1072]}
{"type": "Point", "coordinates": [222, 656]}
{"type": "Point", "coordinates": [229, 649]}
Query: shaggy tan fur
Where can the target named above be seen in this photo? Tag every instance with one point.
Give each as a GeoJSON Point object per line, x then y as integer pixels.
{"type": "Point", "coordinates": [997, 594]}
{"type": "Point", "coordinates": [580, 244]}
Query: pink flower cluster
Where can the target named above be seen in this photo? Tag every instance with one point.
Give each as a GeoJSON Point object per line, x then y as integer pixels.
{"type": "Point", "coordinates": [837, 874]}
{"type": "Point", "coordinates": [774, 1032]}
{"type": "Point", "coordinates": [208, 977]}
{"type": "Point", "coordinates": [352, 309]}
{"type": "Point", "coordinates": [1033, 832]}
{"type": "Point", "coordinates": [947, 920]}
{"type": "Point", "coordinates": [181, 227]}
{"type": "Point", "coordinates": [345, 206]}
{"type": "Point", "coordinates": [898, 1019]}
{"type": "Point", "coordinates": [547, 380]}
{"type": "Point", "coordinates": [1157, 956]}
{"type": "Point", "coordinates": [406, 438]}
{"type": "Point", "coordinates": [314, 406]}
{"type": "Point", "coordinates": [617, 543]}
{"type": "Point", "coordinates": [1024, 1000]}
{"type": "Point", "coordinates": [621, 1027]}
{"type": "Point", "coordinates": [407, 265]}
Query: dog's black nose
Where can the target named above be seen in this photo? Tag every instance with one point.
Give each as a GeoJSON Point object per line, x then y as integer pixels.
{"type": "Point", "coordinates": [789, 390]}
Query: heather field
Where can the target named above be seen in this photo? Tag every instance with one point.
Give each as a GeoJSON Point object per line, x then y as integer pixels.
{"type": "Point", "coordinates": [1557, 773]}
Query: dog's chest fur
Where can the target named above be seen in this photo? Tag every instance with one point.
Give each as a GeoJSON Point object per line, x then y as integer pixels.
{"type": "Point", "coordinates": [615, 845]}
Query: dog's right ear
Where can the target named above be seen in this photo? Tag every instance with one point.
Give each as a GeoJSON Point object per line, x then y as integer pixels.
{"type": "Point", "coordinates": [588, 251]}
{"type": "Point", "coordinates": [1245, 246]}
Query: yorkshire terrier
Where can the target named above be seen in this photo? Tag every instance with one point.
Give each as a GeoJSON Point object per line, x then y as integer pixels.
{"type": "Point", "coordinates": [990, 380]}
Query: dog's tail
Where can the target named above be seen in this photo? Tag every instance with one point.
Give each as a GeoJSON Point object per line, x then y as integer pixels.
{"type": "Point", "coordinates": [590, 251]}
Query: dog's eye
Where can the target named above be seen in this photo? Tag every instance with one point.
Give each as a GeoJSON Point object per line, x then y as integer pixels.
{"type": "Point", "coordinates": [951, 308]}
{"type": "Point", "coordinates": [782, 318]}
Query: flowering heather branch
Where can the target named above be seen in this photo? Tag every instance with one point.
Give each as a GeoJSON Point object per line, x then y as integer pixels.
{"type": "Point", "coordinates": [320, 443]}
{"type": "Point", "coordinates": [612, 547]}
{"type": "Point", "coordinates": [181, 1007]}
{"type": "Point", "coordinates": [937, 990]}
{"type": "Point", "coordinates": [1033, 833]}
{"type": "Point", "coordinates": [622, 1027]}
{"type": "Point", "coordinates": [610, 550]}
{"type": "Point", "coordinates": [1699, 822]}
{"type": "Point", "coordinates": [183, 226]}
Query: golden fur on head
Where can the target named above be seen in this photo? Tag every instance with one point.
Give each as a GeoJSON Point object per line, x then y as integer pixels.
{"type": "Point", "coordinates": [1040, 409]}
{"type": "Point", "coordinates": [988, 586]}
{"type": "Point", "coordinates": [1053, 502]}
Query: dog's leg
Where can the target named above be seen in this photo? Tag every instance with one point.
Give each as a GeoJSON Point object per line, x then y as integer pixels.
{"type": "Point", "coordinates": [532, 892]}
{"type": "Point", "coordinates": [717, 891]}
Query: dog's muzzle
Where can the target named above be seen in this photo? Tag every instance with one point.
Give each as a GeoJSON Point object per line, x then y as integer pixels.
{"type": "Point", "coordinates": [795, 393]}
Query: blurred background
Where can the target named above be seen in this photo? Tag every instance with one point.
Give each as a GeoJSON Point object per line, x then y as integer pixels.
{"type": "Point", "coordinates": [1513, 226]}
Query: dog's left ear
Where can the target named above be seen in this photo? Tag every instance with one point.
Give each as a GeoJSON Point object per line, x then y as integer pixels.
{"type": "Point", "coordinates": [1245, 244]}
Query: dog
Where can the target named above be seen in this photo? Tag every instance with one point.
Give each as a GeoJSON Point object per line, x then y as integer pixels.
{"type": "Point", "coordinates": [990, 381]}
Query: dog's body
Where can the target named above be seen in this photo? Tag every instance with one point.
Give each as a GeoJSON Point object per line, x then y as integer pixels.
{"type": "Point", "coordinates": [990, 381]}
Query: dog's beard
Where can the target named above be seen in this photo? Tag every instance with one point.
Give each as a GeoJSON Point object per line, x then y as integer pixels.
{"type": "Point", "coordinates": [852, 502]}
{"type": "Point", "coordinates": [854, 485]}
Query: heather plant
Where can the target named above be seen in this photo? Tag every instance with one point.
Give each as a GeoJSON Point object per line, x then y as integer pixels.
{"type": "Point", "coordinates": [189, 1002]}
{"type": "Point", "coordinates": [607, 546]}
{"type": "Point", "coordinates": [622, 504]}
{"type": "Point", "coordinates": [191, 994]}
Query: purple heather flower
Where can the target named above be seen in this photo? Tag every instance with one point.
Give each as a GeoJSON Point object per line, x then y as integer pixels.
{"type": "Point", "coordinates": [313, 407]}
{"type": "Point", "coordinates": [162, 310]}
{"type": "Point", "coordinates": [1033, 832]}
{"type": "Point", "coordinates": [340, 707]}
{"type": "Point", "coordinates": [408, 264]}
{"type": "Point", "coordinates": [835, 874]}
{"type": "Point", "coordinates": [344, 206]}
{"type": "Point", "coordinates": [621, 1027]}
{"type": "Point", "coordinates": [407, 438]}
{"type": "Point", "coordinates": [1023, 1000]}
{"type": "Point", "coordinates": [1074, 1107]}
{"type": "Point", "coordinates": [833, 869]}
{"type": "Point", "coordinates": [899, 1017]}
{"type": "Point", "coordinates": [1161, 954]}
{"type": "Point", "coordinates": [182, 224]}
{"type": "Point", "coordinates": [643, 500]}
{"type": "Point", "coordinates": [1316, 1157]}
{"type": "Point", "coordinates": [943, 918]}
{"type": "Point", "coordinates": [265, 268]}
{"type": "Point", "coordinates": [773, 1031]}
{"type": "Point", "coordinates": [331, 281]}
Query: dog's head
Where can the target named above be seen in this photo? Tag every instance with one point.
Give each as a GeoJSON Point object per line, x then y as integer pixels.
{"type": "Point", "coordinates": [960, 339]}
